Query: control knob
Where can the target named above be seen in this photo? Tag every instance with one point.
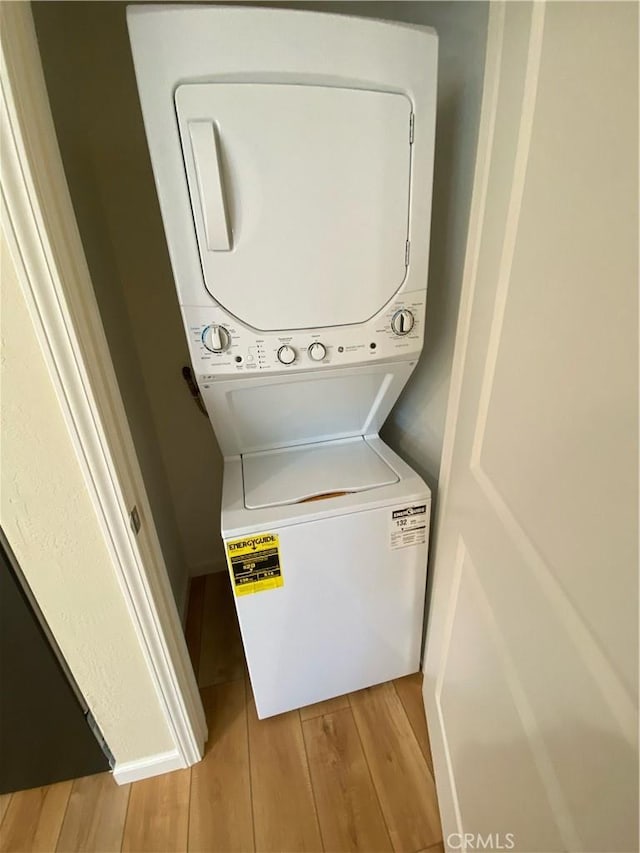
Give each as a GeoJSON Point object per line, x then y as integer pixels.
{"type": "Point", "coordinates": [286, 354]}
{"type": "Point", "coordinates": [402, 322]}
{"type": "Point", "coordinates": [216, 338]}
{"type": "Point", "coordinates": [317, 351]}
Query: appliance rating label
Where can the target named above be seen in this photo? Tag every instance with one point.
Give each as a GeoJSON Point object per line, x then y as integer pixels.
{"type": "Point", "coordinates": [254, 563]}
{"type": "Point", "coordinates": [408, 526]}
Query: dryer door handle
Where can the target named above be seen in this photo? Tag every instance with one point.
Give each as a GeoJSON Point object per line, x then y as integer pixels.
{"type": "Point", "coordinates": [206, 158]}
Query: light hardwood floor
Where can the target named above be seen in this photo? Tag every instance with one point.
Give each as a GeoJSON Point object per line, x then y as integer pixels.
{"type": "Point", "coordinates": [352, 773]}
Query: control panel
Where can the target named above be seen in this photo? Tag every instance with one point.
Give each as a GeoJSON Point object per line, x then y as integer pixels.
{"type": "Point", "coordinates": [221, 345]}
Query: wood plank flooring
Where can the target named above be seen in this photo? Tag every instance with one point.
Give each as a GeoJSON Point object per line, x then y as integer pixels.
{"type": "Point", "coordinates": [221, 656]}
{"type": "Point", "coordinates": [95, 815]}
{"type": "Point", "coordinates": [220, 817]}
{"type": "Point", "coordinates": [350, 774]}
{"type": "Point", "coordinates": [348, 807]}
{"type": "Point", "coordinates": [33, 818]}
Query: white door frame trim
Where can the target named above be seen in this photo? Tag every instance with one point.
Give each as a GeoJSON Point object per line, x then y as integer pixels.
{"type": "Point", "coordinates": [448, 803]}
{"type": "Point", "coordinates": [42, 233]}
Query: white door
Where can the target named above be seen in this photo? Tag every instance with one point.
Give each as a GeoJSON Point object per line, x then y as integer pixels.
{"type": "Point", "coordinates": [532, 648]}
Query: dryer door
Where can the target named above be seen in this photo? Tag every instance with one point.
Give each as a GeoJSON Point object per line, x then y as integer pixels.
{"type": "Point", "coordinates": [300, 198]}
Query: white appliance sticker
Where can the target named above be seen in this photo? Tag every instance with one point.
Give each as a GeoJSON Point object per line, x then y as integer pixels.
{"type": "Point", "coordinates": [408, 526]}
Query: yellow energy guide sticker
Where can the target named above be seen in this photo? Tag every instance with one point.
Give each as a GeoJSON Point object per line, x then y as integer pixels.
{"type": "Point", "coordinates": [254, 563]}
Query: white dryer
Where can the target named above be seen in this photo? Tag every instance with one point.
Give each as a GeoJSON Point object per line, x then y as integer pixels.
{"type": "Point", "coordinates": [293, 157]}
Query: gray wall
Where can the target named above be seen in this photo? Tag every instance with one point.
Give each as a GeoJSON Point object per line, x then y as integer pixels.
{"type": "Point", "coordinates": [89, 74]}
{"type": "Point", "coordinates": [415, 427]}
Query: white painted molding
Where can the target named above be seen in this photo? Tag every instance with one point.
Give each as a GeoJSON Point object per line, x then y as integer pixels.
{"type": "Point", "coordinates": [40, 226]}
{"type": "Point", "coordinates": [447, 796]}
{"type": "Point", "coordinates": [153, 765]}
{"type": "Point", "coordinates": [486, 132]}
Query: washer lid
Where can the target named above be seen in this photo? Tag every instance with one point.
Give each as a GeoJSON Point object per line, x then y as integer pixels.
{"type": "Point", "coordinates": [313, 471]}
{"type": "Point", "coordinates": [300, 198]}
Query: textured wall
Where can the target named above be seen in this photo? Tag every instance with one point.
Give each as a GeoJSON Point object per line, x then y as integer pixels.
{"type": "Point", "coordinates": [51, 525]}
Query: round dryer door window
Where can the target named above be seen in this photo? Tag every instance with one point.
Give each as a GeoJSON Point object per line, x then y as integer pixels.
{"type": "Point", "coordinates": [300, 198]}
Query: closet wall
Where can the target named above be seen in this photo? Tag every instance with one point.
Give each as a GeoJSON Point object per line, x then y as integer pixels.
{"type": "Point", "coordinates": [89, 73]}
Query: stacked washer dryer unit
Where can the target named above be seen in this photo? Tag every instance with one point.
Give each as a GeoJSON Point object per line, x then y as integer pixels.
{"type": "Point", "coordinates": [293, 157]}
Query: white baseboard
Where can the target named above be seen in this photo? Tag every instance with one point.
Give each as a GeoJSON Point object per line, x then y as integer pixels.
{"type": "Point", "coordinates": [143, 768]}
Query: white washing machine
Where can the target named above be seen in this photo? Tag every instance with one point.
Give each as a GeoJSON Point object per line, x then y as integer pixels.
{"type": "Point", "coordinates": [293, 156]}
{"type": "Point", "coordinates": [341, 579]}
